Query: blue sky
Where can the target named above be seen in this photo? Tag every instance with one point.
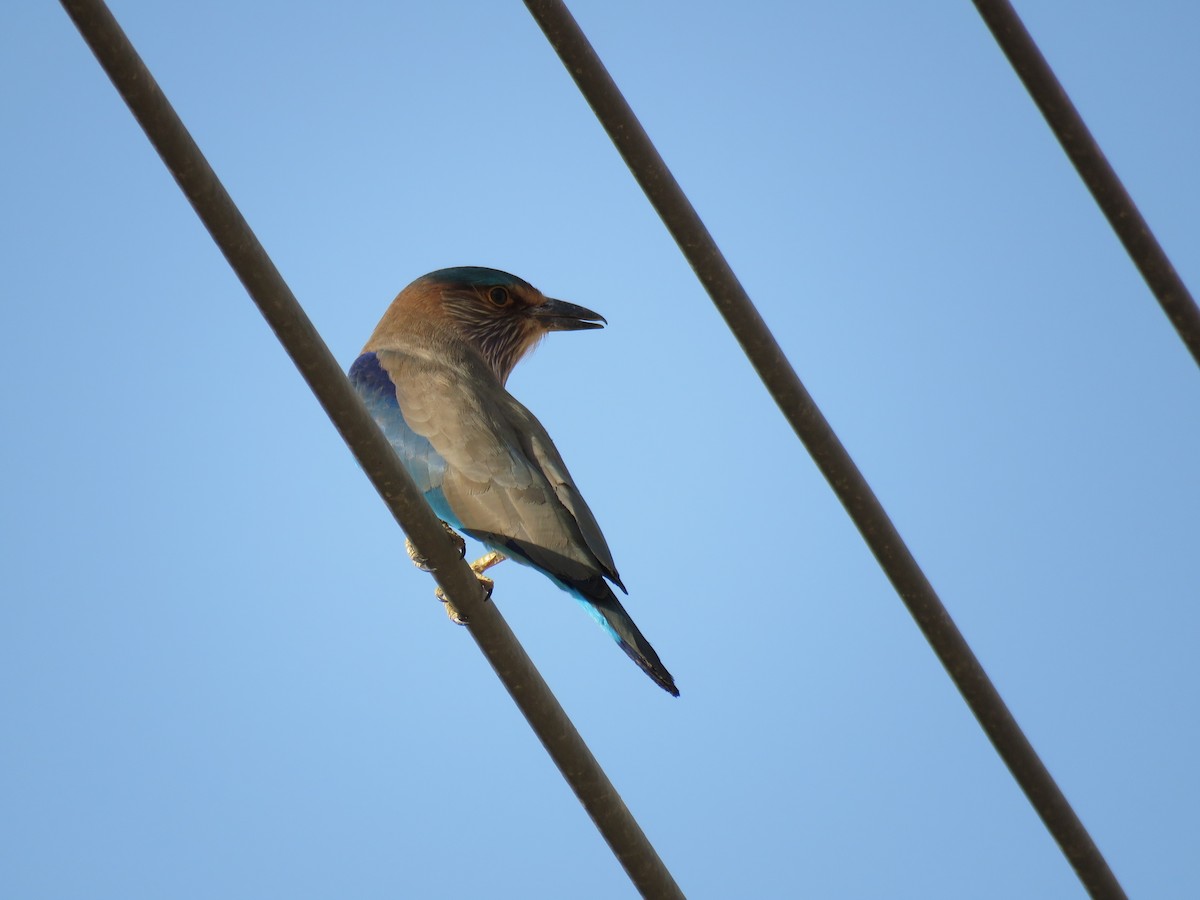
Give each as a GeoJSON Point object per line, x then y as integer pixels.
{"type": "Point", "coordinates": [220, 675]}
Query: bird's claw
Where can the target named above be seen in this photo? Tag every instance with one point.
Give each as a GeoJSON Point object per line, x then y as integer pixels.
{"type": "Point", "coordinates": [480, 566]}
{"type": "Point", "coordinates": [422, 562]}
{"type": "Point", "coordinates": [452, 611]}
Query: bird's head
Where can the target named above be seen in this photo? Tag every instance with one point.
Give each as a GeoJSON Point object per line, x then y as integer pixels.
{"type": "Point", "coordinates": [500, 315]}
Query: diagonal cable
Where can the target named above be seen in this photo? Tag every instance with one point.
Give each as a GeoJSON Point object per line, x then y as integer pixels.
{"type": "Point", "coordinates": [1094, 168]}
{"type": "Point", "coordinates": [319, 368]}
{"type": "Point", "coordinates": [827, 451]}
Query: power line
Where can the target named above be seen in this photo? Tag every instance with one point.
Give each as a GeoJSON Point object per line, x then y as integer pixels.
{"type": "Point", "coordinates": [827, 451]}
{"type": "Point", "coordinates": [319, 368]}
{"type": "Point", "coordinates": [1094, 168]}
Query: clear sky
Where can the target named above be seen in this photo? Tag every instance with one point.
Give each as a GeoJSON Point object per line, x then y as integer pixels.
{"type": "Point", "coordinates": [219, 674]}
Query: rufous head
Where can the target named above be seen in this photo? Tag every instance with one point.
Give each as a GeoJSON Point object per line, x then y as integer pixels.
{"type": "Point", "coordinates": [500, 315]}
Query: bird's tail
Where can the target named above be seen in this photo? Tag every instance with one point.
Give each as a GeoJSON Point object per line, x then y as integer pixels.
{"type": "Point", "coordinates": [603, 605]}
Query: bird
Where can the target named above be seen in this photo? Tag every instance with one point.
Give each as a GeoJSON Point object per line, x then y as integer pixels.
{"type": "Point", "coordinates": [433, 376]}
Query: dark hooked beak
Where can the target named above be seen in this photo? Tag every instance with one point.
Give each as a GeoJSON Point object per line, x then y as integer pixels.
{"type": "Point", "coordinates": [558, 315]}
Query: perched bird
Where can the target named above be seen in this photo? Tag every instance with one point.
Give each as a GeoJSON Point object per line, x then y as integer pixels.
{"type": "Point", "coordinates": [433, 375]}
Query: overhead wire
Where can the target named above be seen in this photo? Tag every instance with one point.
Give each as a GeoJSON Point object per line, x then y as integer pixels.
{"type": "Point", "coordinates": [831, 457]}
{"type": "Point", "coordinates": [379, 461]}
{"type": "Point", "coordinates": [1094, 168]}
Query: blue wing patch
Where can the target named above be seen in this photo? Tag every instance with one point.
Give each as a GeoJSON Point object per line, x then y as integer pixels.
{"type": "Point", "coordinates": [424, 464]}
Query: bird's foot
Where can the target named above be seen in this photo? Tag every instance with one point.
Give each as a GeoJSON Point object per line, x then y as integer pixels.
{"type": "Point", "coordinates": [485, 562]}
{"type": "Point", "coordinates": [421, 562]}
{"type": "Point", "coordinates": [452, 611]}
{"type": "Point", "coordinates": [480, 566]}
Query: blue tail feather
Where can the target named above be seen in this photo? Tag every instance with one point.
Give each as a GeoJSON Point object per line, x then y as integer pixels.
{"type": "Point", "coordinates": [603, 606]}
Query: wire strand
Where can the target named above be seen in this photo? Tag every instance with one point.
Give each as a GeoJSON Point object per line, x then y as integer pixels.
{"type": "Point", "coordinates": [319, 368]}
{"type": "Point", "coordinates": [1094, 168]}
{"type": "Point", "coordinates": [798, 407]}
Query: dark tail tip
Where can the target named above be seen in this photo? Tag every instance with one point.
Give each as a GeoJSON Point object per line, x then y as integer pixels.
{"type": "Point", "coordinates": [602, 603]}
{"type": "Point", "coordinates": [654, 668]}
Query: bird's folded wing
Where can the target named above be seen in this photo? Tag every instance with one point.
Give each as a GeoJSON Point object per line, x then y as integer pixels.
{"type": "Point", "coordinates": [538, 447]}
{"type": "Point", "coordinates": [504, 480]}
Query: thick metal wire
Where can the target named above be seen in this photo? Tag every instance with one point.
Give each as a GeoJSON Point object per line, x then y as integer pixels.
{"type": "Point", "coordinates": [319, 368]}
{"type": "Point", "coordinates": [815, 432]}
{"type": "Point", "coordinates": [1093, 167]}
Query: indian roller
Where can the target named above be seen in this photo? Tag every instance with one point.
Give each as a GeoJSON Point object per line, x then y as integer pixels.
{"type": "Point", "coordinates": [433, 377]}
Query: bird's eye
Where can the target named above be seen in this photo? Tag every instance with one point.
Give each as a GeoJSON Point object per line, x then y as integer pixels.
{"type": "Point", "coordinates": [500, 296]}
